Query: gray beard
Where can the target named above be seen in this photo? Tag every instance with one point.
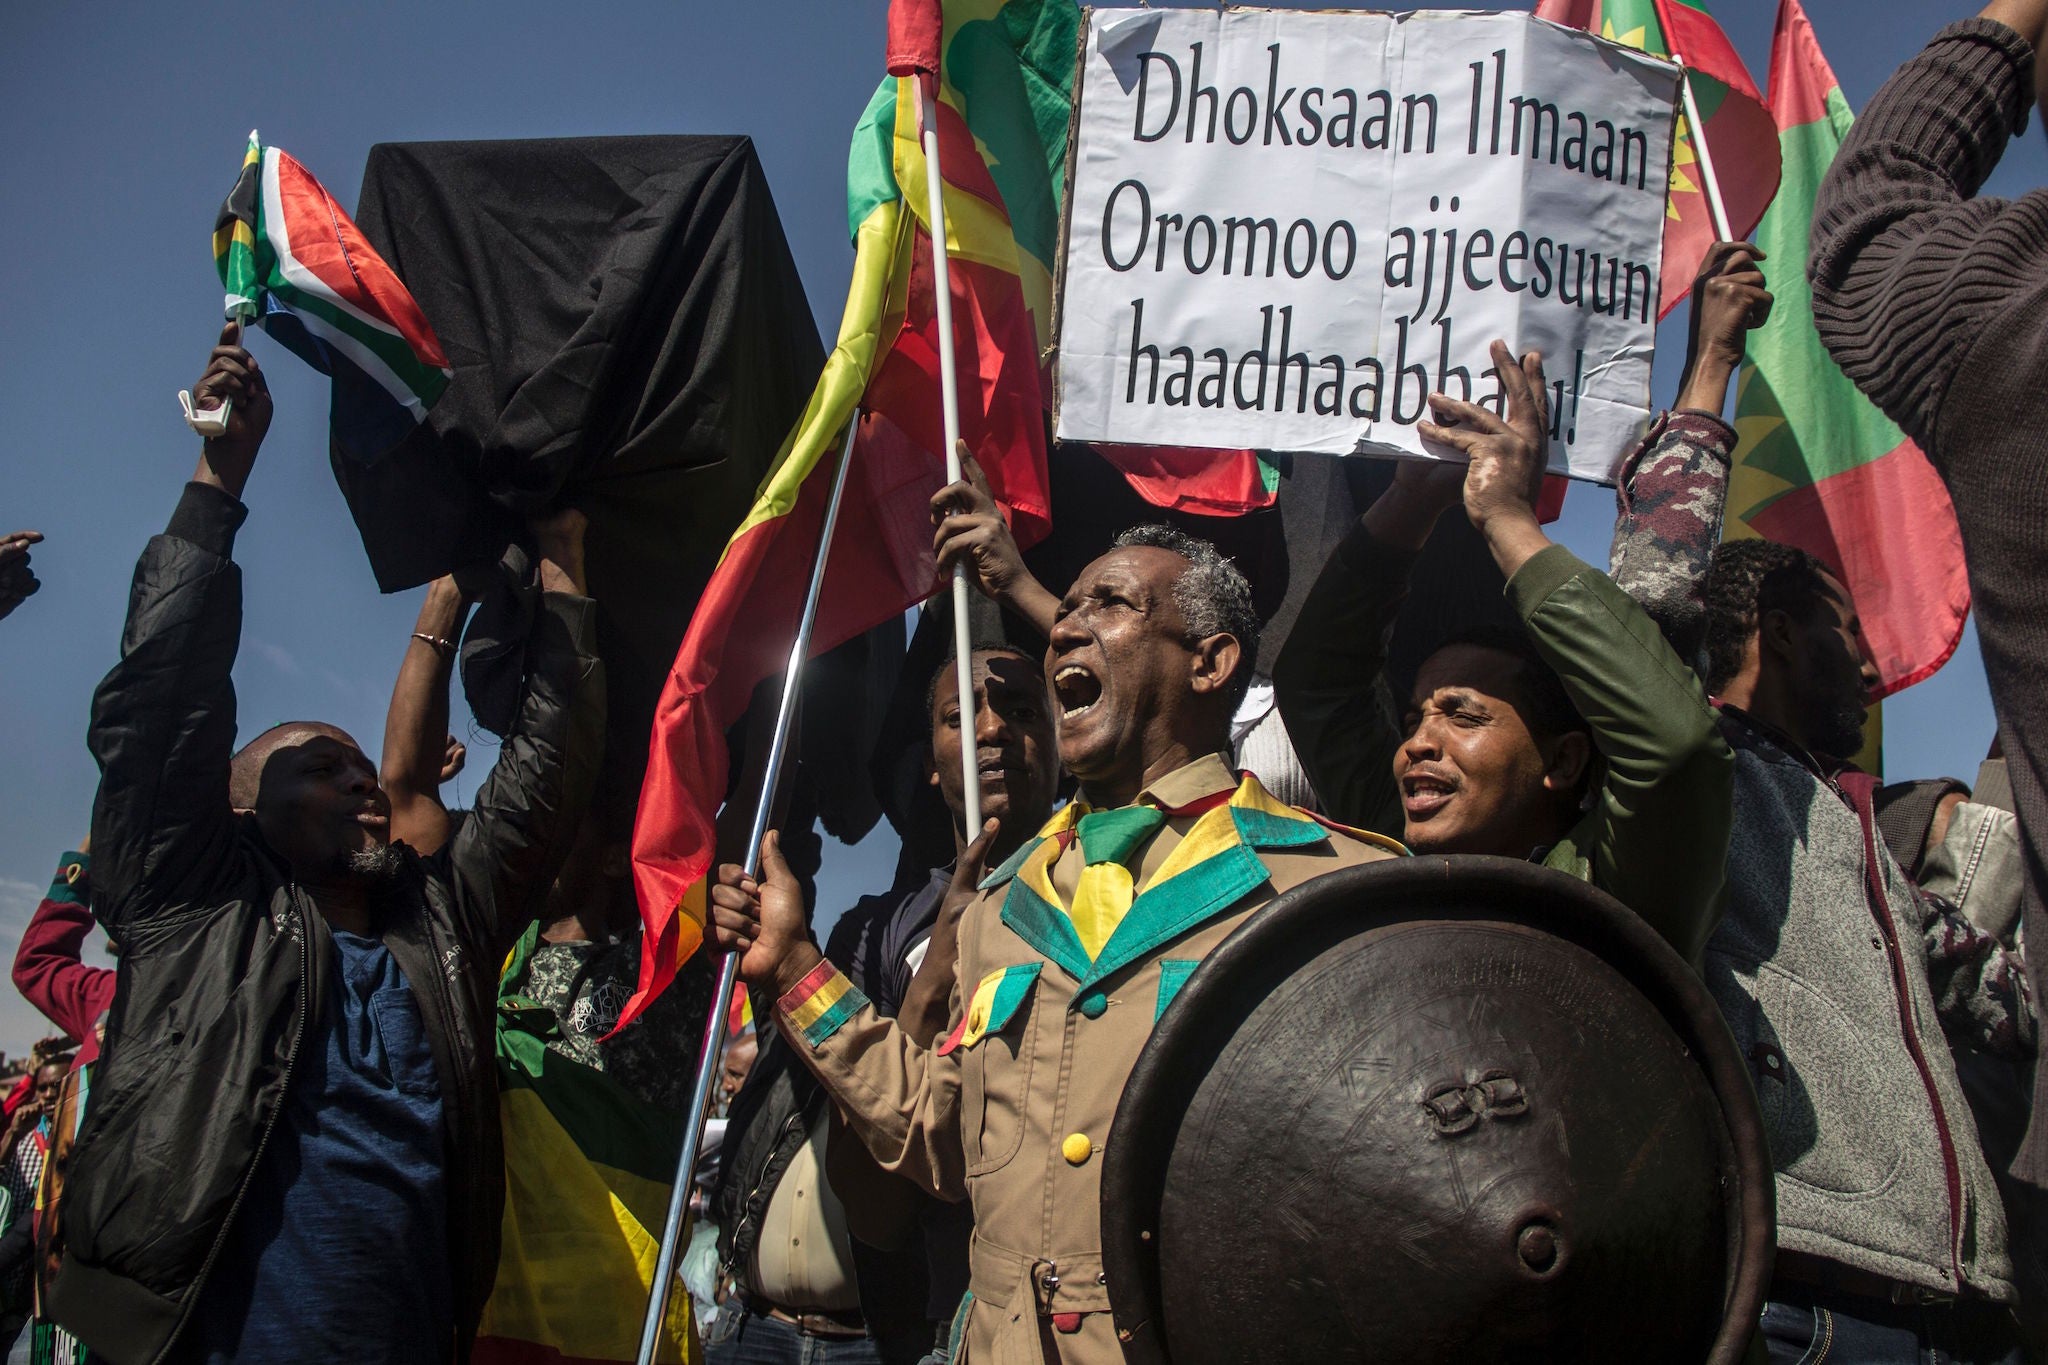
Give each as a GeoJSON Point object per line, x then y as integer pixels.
{"type": "Point", "coordinates": [381, 866]}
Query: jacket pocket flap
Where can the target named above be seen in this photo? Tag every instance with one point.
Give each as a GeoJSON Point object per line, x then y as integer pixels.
{"type": "Point", "coordinates": [993, 1005]}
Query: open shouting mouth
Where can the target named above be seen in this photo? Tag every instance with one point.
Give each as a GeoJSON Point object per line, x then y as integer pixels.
{"type": "Point", "coordinates": [1423, 794]}
{"type": "Point", "coordinates": [1076, 689]}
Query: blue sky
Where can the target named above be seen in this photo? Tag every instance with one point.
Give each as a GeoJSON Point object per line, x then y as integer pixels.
{"type": "Point", "coordinates": [125, 123]}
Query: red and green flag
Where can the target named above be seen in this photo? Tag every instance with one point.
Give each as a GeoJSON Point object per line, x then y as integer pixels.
{"type": "Point", "coordinates": [294, 263]}
{"type": "Point", "coordinates": [1003, 68]}
{"type": "Point", "coordinates": [1817, 465]}
{"type": "Point", "coordinates": [960, 43]}
{"type": "Point", "coordinates": [1735, 124]}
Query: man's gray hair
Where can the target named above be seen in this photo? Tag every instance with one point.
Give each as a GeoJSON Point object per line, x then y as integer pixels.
{"type": "Point", "coordinates": [1213, 595]}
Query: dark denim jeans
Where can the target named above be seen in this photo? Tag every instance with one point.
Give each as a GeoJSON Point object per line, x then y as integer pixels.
{"type": "Point", "coordinates": [764, 1341]}
{"type": "Point", "coordinates": [1818, 1329]}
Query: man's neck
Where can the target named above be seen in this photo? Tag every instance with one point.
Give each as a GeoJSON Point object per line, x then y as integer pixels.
{"type": "Point", "coordinates": [1122, 789]}
{"type": "Point", "coordinates": [1761, 707]}
{"type": "Point", "coordinates": [1819, 764]}
{"type": "Point", "coordinates": [345, 907]}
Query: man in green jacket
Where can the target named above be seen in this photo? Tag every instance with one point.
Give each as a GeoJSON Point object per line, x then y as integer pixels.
{"type": "Point", "coordinates": [1581, 740]}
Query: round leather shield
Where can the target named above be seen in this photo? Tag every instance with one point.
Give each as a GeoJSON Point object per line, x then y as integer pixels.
{"type": "Point", "coordinates": [1436, 1110]}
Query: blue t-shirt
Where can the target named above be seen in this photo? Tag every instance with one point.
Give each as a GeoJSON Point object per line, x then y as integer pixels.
{"type": "Point", "coordinates": [340, 1250]}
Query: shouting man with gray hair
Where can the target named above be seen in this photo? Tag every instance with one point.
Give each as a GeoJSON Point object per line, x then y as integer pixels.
{"type": "Point", "coordinates": [1069, 952]}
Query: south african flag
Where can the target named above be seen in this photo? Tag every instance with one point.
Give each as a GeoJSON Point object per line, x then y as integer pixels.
{"type": "Point", "coordinates": [295, 264]}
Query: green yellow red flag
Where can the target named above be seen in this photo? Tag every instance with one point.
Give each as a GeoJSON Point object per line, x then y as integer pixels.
{"type": "Point", "coordinates": [588, 1170]}
{"type": "Point", "coordinates": [1004, 69]}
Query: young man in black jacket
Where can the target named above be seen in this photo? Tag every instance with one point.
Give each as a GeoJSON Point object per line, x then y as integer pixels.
{"type": "Point", "coordinates": [292, 1149]}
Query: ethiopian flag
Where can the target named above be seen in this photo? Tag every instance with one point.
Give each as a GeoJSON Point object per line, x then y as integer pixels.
{"type": "Point", "coordinates": [588, 1171]}
{"type": "Point", "coordinates": [1817, 465]}
{"type": "Point", "coordinates": [295, 264]}
{"type": "Point", "coordinates": [1737, 128]}
{"type": "Point", "coordinates": [1002, 71]}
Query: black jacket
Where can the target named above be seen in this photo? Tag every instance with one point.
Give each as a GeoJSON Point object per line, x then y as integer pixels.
{"type": "Point", "coordinates": [781, 1107]}
{"type": "Point", "coordinates": [778, 1110]}
{"type": "Point", "coordinates": [224, 958]}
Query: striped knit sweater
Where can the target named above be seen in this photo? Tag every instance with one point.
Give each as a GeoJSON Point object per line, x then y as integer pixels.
{"type": "Point", "coordinates": [1935, 303]}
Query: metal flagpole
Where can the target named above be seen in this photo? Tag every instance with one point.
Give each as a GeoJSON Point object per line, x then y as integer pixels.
{"type": "Point", "coordinates": [728, 975]}
{"type": "Point", "coordinates": [1716, 210]}
{"type": "Point", "coordinates": [949, 400]}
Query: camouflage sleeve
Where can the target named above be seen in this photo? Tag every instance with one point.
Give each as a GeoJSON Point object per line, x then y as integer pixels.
{"type": "Point", "coordinates": [1979, 986]}
{"type": "Point", "coordinates": [1669, 502]}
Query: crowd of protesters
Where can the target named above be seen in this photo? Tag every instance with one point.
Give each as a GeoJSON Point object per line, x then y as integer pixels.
{"type": "Point", "coordinates": [269, 1125]}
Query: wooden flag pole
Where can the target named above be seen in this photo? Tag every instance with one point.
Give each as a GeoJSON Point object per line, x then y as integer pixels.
{"type": "Point", "coordinates": [710, 1054]}
{"type": "Point", "coordinates": [949, 401]}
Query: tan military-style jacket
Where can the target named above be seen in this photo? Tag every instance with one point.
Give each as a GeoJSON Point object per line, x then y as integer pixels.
{"type": "Point", "coordinates": [1013, 1109]}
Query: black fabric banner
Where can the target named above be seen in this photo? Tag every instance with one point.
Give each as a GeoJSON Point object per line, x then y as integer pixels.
{"type": "Point", "coordinates": [629, 336]}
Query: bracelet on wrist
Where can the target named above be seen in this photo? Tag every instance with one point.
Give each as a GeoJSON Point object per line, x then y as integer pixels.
{"type": "Point", "coordinates": [435, 642]}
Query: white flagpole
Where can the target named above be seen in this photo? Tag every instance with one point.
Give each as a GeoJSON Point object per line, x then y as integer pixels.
{"type": "Point", "coordinates": [949, 399]}
{"type": "Point", "coordinates": [1709, 182]}
{"type": "Point", "coordinates": [710, 1053]}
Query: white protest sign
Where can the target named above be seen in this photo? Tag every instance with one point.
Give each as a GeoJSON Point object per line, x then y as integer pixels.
{"type": "Point", "coordinates": [1286, 229]}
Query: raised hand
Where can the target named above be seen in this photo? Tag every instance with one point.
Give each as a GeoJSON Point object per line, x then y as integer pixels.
{"type": "Point", "coordinates": [764, 921]}
{"type": "Point", "coordinates": [1506, 457]}
{"type": "Point", "coordinates": [969, 529]}
{"type": "Point", "coordinates": [1422, 491]}
{"type": "Point", "coordinates": [925, 1003]}
{"type": "Point", "coordinates": [18, 581]}
{"type": "Point", "coordinates": [453, 759]}
{"type": "Point", "coordinates": [559, 535]}
{"type": "Point", "coordinates": [1728, 302]}
{"type": "Point", "coordinates": [232, 374]}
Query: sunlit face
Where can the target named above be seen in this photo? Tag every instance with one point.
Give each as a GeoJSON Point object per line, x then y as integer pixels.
{"type": "Point", "coordinates": [1474, 778]}
{"type": "Point", "coordinates": [1119, 660]}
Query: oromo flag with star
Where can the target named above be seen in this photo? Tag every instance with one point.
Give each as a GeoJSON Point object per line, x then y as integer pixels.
{"type": "Point", "coordinates": [1737, 127]}
{"type": "Point", "coordinates": [1816, 464]}
{"type": "Point", "coordinates": [294, 263]}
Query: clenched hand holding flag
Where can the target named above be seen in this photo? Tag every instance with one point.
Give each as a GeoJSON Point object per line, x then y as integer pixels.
{"type": "Point", "coordinates": [295, 263]}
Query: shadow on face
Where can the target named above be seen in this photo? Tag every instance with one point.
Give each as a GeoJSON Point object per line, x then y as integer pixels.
{"type": "Point", "coordinates": [1826, 672]}
{"type": "Point", "coordinates": [1012, 735]}
{"type": "Point", "coordinates": [315, 797]}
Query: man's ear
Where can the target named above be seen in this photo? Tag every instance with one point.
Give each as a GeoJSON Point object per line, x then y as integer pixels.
{"type": "Point", "coordinates": [1777, 636]}
{"type": "Point", "coordinates": [1568, 762]}
{"type": "Point", "coordinates": [1215, 663]}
